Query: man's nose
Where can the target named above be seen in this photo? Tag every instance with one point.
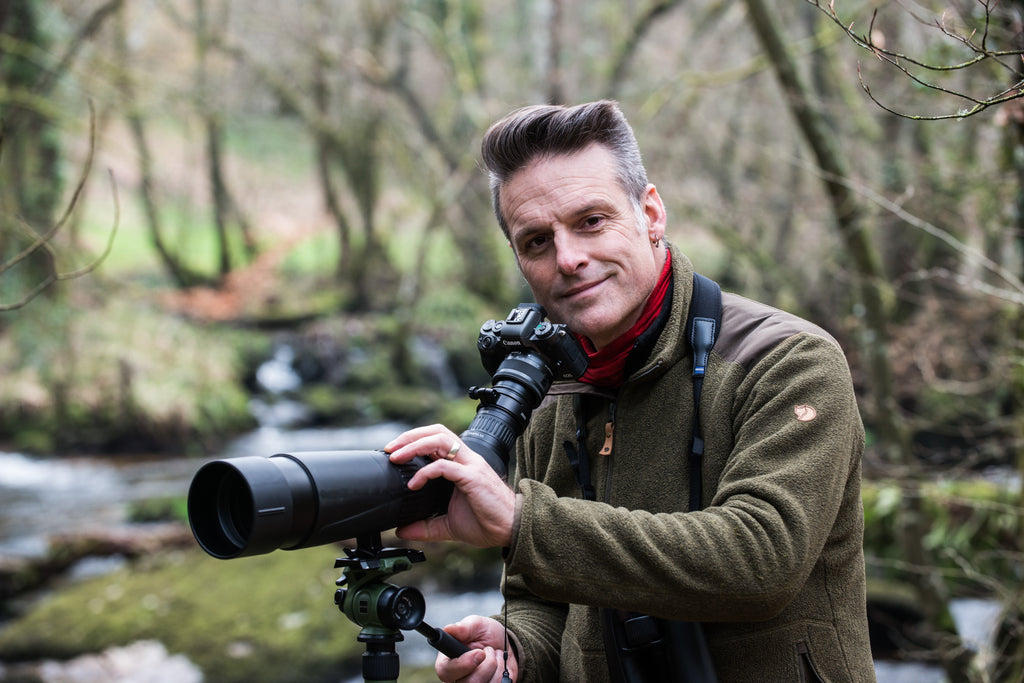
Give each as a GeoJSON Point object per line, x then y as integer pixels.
{"type": "Point", "coordinates": [570, 252]}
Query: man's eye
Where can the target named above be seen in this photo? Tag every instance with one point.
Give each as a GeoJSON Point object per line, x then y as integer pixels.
{"type": "Point", "coordinates": [592, 221]}
{"type": "Point", "coordinates": [535, 242]}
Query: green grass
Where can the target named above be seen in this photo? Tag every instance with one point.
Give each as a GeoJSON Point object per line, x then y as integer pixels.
{"type": "Point", "coordinates": [316, 255]}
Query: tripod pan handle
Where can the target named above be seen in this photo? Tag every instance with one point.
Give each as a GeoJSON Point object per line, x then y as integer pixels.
{"type": "Point", "coordinates": [442, 641]}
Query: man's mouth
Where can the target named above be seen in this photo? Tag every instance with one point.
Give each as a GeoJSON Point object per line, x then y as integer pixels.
{"type": "Point", "coordinates": [581, 288]}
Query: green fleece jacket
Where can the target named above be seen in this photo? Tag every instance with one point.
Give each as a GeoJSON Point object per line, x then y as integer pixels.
{"type": "Point", "coordinates": [773, 565]}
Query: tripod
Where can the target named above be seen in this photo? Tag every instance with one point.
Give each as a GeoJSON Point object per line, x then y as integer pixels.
{"type": "Point", "coordinates": [384, 610]}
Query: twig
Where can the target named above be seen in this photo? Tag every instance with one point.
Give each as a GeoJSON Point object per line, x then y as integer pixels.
{"type": "Point", "coordinates": [902, 62]}
{"type": "Point", "coordinates": [41, 241]}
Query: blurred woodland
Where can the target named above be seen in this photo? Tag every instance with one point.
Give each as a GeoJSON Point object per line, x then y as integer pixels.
{"type": "Point", "coordinates": [264, 163]}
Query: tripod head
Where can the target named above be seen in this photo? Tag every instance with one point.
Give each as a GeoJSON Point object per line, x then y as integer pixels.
{"type": "Point", "coordinates": [384, 610]}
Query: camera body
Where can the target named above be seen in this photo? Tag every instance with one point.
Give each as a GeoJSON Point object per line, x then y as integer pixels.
{"type": "Point", "coordinates": [524, 330]}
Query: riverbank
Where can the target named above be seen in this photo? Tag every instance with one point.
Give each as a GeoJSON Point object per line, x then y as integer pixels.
{"type": "Point", "coordinates": [106, 374]}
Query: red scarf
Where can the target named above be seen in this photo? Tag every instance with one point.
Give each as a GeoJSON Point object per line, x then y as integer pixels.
{"type": "Point", "coordinates": [608, 365]}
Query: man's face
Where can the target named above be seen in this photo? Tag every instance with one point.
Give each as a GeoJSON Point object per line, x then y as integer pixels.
{"type": "Point", "coordinates": [575, 236]}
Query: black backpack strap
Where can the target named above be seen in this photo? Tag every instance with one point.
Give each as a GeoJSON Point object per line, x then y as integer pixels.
{"type": "Point", "coordinates": [702, 327]}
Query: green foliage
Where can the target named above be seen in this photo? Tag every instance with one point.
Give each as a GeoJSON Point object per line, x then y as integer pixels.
{"type": "Point", "coordinates": [96, 376]}
{"type": "Point", "coordinates": [975, 532]}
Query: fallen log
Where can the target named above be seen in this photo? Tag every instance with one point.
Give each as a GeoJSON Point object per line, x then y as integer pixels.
{"type": "Point", "coordinates": [19, 575]}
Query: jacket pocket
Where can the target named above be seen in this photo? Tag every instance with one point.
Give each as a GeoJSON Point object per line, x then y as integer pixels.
{"type": "Point", "coordinates": [805, 665]}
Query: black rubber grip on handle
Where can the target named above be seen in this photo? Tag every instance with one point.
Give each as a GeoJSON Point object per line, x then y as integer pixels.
{"type": "Point", "coordinates": [442, 641]}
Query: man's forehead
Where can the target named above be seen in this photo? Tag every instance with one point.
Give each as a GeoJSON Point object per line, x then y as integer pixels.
{"type": "Point", "coordinates": [537, 205]}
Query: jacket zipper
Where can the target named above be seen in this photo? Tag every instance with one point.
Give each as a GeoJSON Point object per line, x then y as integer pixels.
{"type": "Point", "coordinates": [808, 674]}
{"type": "Point", "coordinates": [607, 450]}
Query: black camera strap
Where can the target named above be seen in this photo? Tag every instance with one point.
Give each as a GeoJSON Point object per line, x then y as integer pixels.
{"type": "Point", "coordinates": [702, 327]}
{"type": "Point", "coordinates": [703, 324]}
{"type": "Point", "coordinates": [577, 453]}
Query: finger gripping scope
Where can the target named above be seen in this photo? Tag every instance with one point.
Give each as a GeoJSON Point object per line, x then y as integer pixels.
{"type": "Point", "coordinates": [254, 504]}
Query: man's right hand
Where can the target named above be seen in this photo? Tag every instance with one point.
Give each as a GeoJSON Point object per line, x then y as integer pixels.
{"type": "Point", "coordinates": [482, 508]}
{"type": "Point", "coordinates": [485, 662]}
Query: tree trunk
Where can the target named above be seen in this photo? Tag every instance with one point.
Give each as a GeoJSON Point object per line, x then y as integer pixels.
{"type": "Point", "coordinates": [182, 276]}
{"type": "Point", "coordinates": [212, 127]}
{"type": "Point", "coordinates": [30, 177]}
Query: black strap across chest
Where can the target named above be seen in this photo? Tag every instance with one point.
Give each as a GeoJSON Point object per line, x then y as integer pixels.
{"type": "Point", "coordinates": [702, 327]}
{"type": "Point", "coordinates": [641, 648]}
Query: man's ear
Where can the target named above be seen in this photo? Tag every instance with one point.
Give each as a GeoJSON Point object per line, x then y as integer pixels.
{"type": "Point", "coordinates": [654, 209]}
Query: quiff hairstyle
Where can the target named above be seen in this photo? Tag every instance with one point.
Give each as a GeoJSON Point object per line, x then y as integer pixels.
{"type": "Point", "coordinates": [530, 133]}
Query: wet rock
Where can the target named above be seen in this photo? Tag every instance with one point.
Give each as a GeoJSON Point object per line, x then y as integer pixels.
{"type": "Point", "coordinates": [144, 661]}
{"type": "Point", "coordinates": [21, 574]}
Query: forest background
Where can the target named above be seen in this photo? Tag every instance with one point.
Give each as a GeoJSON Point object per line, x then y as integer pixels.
{"type": "Point", "coordinates": [185, 184]}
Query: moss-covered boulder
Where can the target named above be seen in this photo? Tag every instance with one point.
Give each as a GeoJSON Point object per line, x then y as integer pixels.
{"type": "Point", "coordinates": [269, 618]}
{"type": "Point", "coordinates": [266, 618]}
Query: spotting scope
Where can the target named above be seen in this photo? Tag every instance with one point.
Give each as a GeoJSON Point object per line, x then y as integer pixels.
{"type": "Point", "coordinates": [252, 505]}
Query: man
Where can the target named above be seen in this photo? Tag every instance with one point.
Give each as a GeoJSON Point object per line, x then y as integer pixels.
{"type": "Point", "coordinates": [772, 565]}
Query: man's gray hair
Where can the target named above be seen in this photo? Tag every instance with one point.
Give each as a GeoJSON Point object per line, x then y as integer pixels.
{"type": "Point", "coordinates": [548, 130]}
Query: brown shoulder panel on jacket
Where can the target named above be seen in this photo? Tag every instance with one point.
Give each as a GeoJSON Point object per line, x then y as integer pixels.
{"type": "Point", "coordinates": [750, 330]}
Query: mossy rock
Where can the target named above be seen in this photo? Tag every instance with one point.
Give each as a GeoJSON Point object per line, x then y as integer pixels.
{"type": "Point", "coordinates": [327, 405]}
{"type": "Point", "coordinates": [406, 404]}
{"type": "Point", "coordinates": [265, 618]}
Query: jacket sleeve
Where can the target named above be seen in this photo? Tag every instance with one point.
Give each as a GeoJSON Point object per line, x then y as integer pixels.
{"type": "Point", "coordinates": [536, 626]}
{"type": "Point", "coordinates": [748, 553]}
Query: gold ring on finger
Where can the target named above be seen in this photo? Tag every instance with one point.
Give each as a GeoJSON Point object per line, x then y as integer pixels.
{"type": "Point", "coordinates": [456, 445]}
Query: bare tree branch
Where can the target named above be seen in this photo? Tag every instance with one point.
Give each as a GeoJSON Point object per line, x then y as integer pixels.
{"type": "Point", "coordinates": [41, 241]}
{"type": "Point", "coordinates": [641, 27]}
{"type": "Point", "coordinates": [904, 63]}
